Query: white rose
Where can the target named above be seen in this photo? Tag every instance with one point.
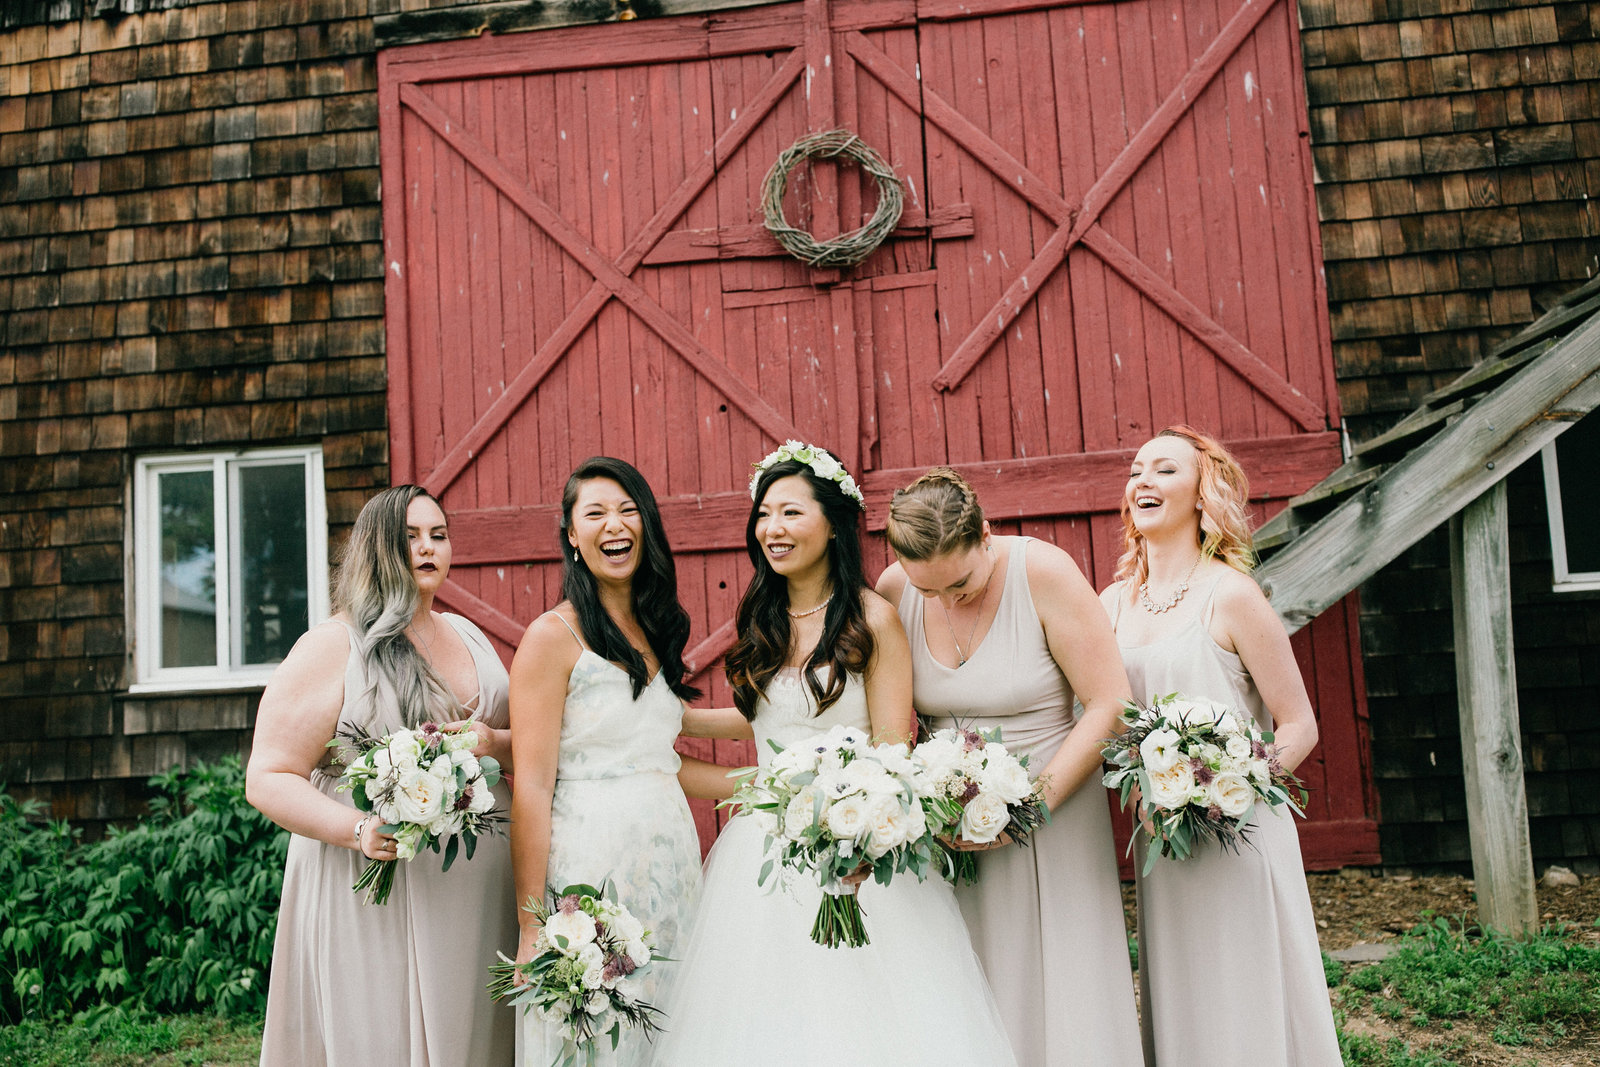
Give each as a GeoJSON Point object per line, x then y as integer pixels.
{"type": "Point", "coordinates": [446, 825]}
{"type": "Point", "coordinates": [1232, 794]}
{"type": "Point", "coordinates": [419, 797]}
{"type": "Point", "coordinates": [594, 964]}
{"type": "Point", "coordinates": [380, 761]}
{"type": "Point", "coordinates": [875, 780]}
{"type": "Point", "coordinates": [375, 788]}
{"type": "Point", "coordinates": [404, 751]}
{"type": "Point", "coordinates": [1260, 771]}
{"type": "Point", "coordinates": [638, 951]}
{"type": "Point", "coordinates": [848, 486]}
{"type": "Point", "coordinates": [1238, 746]}
{"type": "Point", "coordinates": [626, 926]}
{"type": "Point", "coordinates": [1171, 788]}
{"type": "Point", "coordinates": [800, 813]}
{"type": "Point", "coordinates": [994, 750]}
{"type": "Point", "coordinates": [896, 759]}
{"type": "Point", "coordinates": [1159, 750]}
{"type": "Point", "coordinates": [887, 826]}
{"type": "Point", "coordinates": [792, 761]}
{"type": "Point", "coordinates": [482, 799]}
{"type": "Point", "coordinates": [847, 818]}
{"type": "Point", "coordinates": [984, 818]}
{"type": "Point", "coordinates": [1211, 754]}
{"type": "Point", "coordinates": [1226, 723]}
{"type": "Point", "coordinates": [825, 466]}
{"type": "Point", "coordinates": [940, 758]}
{"type": "Point", "coordinates": [576, 926]}
{"type": "Point", "coordinates": [1008, 780]}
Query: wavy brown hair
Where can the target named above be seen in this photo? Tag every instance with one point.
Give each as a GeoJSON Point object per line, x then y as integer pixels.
{"type": "Point", "coordinates": [1224, 510]}
{"type": "Point", "coordinates": [765, 631]}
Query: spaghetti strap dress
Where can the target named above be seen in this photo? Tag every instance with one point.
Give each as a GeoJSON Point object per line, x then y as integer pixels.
{"type": "Point", "coordinates": [1046, 919]}
{"type": "Point", "coordinates": [618, 813]}
{"type": "Point", "coordinates": [402, 983]}
{"type": "Point", "coordinates": [1230, 970]}
{"type": "Point", "coordinates": [754, 989]}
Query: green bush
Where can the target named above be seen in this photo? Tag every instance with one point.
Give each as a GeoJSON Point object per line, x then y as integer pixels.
{"type": "Point", "coordinates": [174, 914]}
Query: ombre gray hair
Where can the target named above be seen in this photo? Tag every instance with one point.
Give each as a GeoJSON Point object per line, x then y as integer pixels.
{"type": "Point", "coordinates": [378, 592]}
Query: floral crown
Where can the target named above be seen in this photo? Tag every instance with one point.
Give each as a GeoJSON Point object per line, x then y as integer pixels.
{"type": "Point", "coordinates": [822, 464]}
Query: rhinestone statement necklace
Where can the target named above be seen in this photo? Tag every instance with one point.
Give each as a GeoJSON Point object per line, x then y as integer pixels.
{"type": "Point", "coordinates": [1159, 607]}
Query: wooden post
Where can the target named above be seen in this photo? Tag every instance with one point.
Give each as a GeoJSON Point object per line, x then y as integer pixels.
{"type": "Point", "coordinates": [1491, 746]}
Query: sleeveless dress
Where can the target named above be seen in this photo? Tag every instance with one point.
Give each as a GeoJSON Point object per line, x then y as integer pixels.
{"type": "Point", "coordinates": [1046, 920]}
{"type": "Point", "coordinates": [1218, 923]}
{"type": "Point", "coordinates": [619, 813]}
{"type": "Point", "coordinates": [754, 988]}
{"type": "Point", "coordinates": [354, 984]}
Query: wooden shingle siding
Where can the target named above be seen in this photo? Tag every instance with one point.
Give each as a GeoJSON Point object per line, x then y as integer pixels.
{"type": "Point", "coordinates": [190, 258]}
{"type": "Point", "coordinates": [1457, 154]}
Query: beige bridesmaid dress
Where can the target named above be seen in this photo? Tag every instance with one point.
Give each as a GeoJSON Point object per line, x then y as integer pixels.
{"type": "Point", "coordinates": [401, 984]}
{"type": "Point", "coordinates": [1046, 920]}
{"type": "Point", "coordinates": [1230, 970]}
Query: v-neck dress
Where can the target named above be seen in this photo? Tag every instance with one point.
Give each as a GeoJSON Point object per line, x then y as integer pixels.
{"type": "Point", "coordinates": [1240, 923]}
{"type": "Point", "coordinates": [618, 813]}
{"type": "Point", "coordinates": [354, 984]}
{"type": "Point", "coordinates": [1046, 920]}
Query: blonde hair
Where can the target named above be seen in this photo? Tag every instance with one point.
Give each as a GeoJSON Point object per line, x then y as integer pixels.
{"type": "Point", "coordinates": [936, 514]}
{"type": "Point", "coordinates": [1224, 510]}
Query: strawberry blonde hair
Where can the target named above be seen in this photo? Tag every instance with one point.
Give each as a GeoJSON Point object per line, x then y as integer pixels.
{"type": "Point", "coordinates": [1224, 510]}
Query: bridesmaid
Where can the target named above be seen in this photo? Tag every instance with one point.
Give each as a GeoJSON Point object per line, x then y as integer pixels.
{"type": "Point", "coordinates": [1190, 620]}
{"type": "Point", "coordinates": [1004, 631]}
{"type": "Point", "coordinates": [597, 689]}
{"type": "Point", "coordinates": [402, 983]}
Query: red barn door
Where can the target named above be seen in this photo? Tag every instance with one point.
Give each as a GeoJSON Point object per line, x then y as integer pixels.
{"type": "Point", "coordinates": [1108, 228]}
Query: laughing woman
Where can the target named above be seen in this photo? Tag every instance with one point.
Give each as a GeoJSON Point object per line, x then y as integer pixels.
{"type": "Point", "coordinates": [352, 983]}
{"type": "Point", "coordinates": [596, 690]}
{"type": "Point", "coordinates": [1189, 619]}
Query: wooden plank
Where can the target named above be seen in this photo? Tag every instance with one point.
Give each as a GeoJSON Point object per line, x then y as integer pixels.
{"type": "Point", "coordinates": [1406, 433]}
{"type": "Point", "coordinates": [1486, 373]}
{"type": "Point", "coordinates": [1491, 740]}
{"type": "Point", "coordinates": [753, 240]}
{"type": "Point", "coordinates": [1094, 481]}
{"type": "Point", "coordinates": [1496, 435]}
{"type": "Point", "coordinates": [1346, 479]}
{"type": "Point", "coordinates": [392, 151]}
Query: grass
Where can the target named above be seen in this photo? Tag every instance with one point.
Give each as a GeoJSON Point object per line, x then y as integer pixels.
{"type": "Point", "coordinates": [115, 1038]}
{"type": "Point", "coordinates": [1524, 993]}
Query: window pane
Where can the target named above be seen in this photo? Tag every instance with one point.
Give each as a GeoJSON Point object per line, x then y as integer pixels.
{"type": "Point", "coordinates": [188, 570]}
{"type": "Point", "coordinates": [274, 599]}
{"type": "Point", "coordinates": [1577, 455]}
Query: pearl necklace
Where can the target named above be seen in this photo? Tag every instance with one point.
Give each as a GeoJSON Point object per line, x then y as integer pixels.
{"type": "Point", "coordinates": [1158, 608]}
{"type": "Point", "coordinates": [813, 611]}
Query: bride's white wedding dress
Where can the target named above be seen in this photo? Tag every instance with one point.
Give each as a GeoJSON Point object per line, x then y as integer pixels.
{"type": "Point", "coordinates": [751, 987]}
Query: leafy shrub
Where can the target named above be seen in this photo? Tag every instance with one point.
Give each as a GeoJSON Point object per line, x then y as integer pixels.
{"type": "Point", "coordinates": [176, 913]}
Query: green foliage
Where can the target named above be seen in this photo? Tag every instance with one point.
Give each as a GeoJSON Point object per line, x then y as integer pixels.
{"type": "Point", "coordinates": [1530, 988]}
{"type": "Point", "coordinates": [115, 1038]}
{"type": "Point", "coordinates": [174, 914]}
{"type": "Point", "coordinates": [1332, 970]}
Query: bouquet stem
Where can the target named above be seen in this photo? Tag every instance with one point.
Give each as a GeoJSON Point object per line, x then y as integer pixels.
{"type": "Point", "coordinates": [839, 922]}
{"type": "Point", "coordinates": [377, 879]}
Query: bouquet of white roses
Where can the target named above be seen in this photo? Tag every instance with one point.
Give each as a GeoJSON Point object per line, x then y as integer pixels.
{"type": "Point", "coordinates": [977, 790]}
{"type": "Point", "coordinates": [427, 788]}
{"type": "Point", "coordinates": [1200, 769]}
{"type": "Point", "coordinates": [583, 974]}
{"type": "Point", "coordinates": [831, 806]}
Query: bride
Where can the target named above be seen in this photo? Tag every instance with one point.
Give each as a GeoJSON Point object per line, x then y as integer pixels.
{"type": "Point", "coordinates": [818, 649]}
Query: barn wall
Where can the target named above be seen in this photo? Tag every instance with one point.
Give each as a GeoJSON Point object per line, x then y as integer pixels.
{"type": "Point", "coordinates": [189, 259]}
{"type": "Point", "coordinates": [1457, 153]}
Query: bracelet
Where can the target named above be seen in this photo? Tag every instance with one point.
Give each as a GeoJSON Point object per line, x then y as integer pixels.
{"type": "Point", "coordinates": [360, 826]}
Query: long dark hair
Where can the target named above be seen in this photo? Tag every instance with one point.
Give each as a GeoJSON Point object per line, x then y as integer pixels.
{"type": "Point", "coordinates": [846, 644]}
{"type": "Point", "coordinates": [655, 585]}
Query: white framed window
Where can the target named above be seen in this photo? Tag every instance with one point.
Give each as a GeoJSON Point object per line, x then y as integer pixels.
{"type": "Point", "coordinates": [1569, 464]}
{"type": "Point", "coordinates": [230, 554]}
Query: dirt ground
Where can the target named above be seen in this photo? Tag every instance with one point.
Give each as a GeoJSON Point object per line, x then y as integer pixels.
{"type": "Point", "coordinates": [1361, 907]}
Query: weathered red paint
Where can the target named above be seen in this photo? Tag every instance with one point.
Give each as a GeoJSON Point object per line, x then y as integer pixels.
{"type": "Point", "coordinates": [1109, 228]}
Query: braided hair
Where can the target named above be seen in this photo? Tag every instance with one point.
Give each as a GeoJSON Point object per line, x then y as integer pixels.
{"type": "Point", "coordinates": [934, 515]}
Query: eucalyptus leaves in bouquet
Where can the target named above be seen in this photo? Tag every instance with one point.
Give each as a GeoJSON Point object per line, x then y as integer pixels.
{"type": "Point", "coordinates": [1200, 770]}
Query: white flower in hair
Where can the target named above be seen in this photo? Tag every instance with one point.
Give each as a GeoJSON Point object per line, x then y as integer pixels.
{"type": "Point", "coordinates": [822, 464]}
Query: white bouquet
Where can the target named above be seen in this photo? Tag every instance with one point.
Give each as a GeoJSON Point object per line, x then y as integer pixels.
{"type": "Point", "coordinates": [833, 806]}
{"type": "Point", "coordinates": [427, 788]}
{"type": "Point", "coordinates": [583, 974]}
{"type": "Point", "coordinates": [1200, 770]}
{"type": "Point", "coordinates": [976, 789]}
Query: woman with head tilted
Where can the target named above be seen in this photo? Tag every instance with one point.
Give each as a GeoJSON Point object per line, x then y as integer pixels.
{"type": "Point", "coordinates": [353, 983]}
{"type": "Point", "coordinates": [1189, 619]}
{"type": "Point", "coordinates": [818, 649]}
{"type": "Point", "coordinates": [1004, 631]}
{"type": "Point", "coordinates": [596, 704]}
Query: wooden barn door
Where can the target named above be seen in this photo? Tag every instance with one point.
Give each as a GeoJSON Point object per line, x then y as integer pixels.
{"type": "Point", "coordinates": [1108, 228]}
